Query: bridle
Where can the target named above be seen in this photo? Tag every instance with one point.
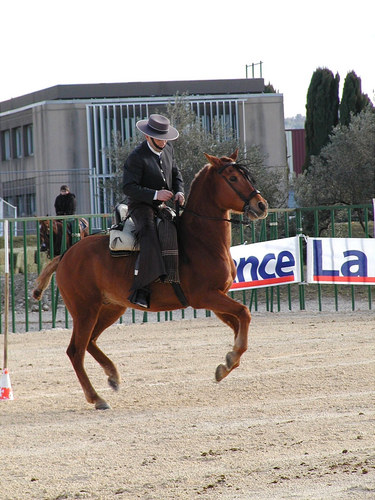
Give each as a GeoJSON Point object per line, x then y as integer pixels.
{"type": "Point", "coordinates": [245, 199]}
{"type": "Point", "coordinates": [44, 236]}
{"type": "Point", "coordinates": [44, 230]}
{"type": "Point", "coordinates": [246, 174]}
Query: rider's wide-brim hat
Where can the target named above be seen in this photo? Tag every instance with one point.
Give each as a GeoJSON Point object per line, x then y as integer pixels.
{"type": "Point", "coordinates": [158, 127]}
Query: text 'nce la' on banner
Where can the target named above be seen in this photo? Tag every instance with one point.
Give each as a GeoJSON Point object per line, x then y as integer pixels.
{"type": "Point", "coordinates": [347, 261]}
{"type": "Point", "coordinates": [267, 263]}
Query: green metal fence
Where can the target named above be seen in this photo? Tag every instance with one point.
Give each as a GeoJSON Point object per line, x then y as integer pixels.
{"type": "Point", "coordinates": [26, 262]}
{"type": "Point", "coordinates": [325, 221]}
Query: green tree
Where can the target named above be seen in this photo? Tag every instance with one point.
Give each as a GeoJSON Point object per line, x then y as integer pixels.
{"type": "Point", "coordinates": [295, 122]}
{"type": "Point", "coordinates": [353, 101]}
{"type": "Point", "coordinates": [344, 171]}
{"type": "Point", "coordinates": [270, 89]}
{"type": "Point", "coordinates": [195, 139]}
{"type": "Point", "coordinates": [321, 111]}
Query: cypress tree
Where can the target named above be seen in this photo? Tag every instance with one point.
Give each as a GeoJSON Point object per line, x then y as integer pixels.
{"type": "Point", "coordinates": [321, 111]}
{"type": "Point", "coordinates": [352, 101]}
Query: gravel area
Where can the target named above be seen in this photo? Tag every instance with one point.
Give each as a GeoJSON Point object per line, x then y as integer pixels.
{"type": "Point", "coordinates": [294, 421]}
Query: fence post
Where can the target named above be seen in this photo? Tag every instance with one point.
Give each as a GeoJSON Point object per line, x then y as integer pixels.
{"type": "Point", "coordinates": [299, 231]}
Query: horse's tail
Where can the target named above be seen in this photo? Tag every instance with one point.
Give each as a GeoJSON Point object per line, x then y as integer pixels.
{"type": "Point", "coordinates": [44, 278]}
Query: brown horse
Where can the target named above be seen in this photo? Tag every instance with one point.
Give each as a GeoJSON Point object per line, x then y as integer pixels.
{"type": "Point", "coordinates": [60, 241]}
{"type": "Point", "coordinates": [97, 296]}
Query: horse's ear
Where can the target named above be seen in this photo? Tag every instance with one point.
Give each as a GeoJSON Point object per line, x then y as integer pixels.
{"type": "Point", "coordinates": [217, 162]}
{"type": "Point", "coordinates": [213, 160]}
{"type": "Point", "coordinates": [234, 155]}
{"type": "Point", "coordinates": [209, 157]}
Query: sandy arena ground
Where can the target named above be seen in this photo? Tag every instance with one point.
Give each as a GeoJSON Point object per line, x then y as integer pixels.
{"type": "Point", "coordinates": [295, 421]}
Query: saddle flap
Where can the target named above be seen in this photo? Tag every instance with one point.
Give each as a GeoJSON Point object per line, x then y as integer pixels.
{"type": "Point", "coordinates": [121, 240]}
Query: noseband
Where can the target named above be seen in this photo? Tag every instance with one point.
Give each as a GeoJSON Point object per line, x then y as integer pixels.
{"type": "Point", "coordinates": [245, 173]}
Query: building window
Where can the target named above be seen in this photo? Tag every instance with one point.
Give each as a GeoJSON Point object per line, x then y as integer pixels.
{"type": "Point", "coordinates": [5, 145]}
{"type": "Point", "coordinates": [29, 140]}
{"type": "Point", "coordinates": [17, 142]}
{"type": "Point", "coordinates": [25, 203]}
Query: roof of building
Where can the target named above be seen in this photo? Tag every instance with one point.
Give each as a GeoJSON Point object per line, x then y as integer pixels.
{"type": "Point", "coordinates": [136, 89]}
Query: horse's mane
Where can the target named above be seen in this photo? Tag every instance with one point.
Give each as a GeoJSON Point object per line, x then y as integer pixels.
{"type": "Point", "coordinates": [198, 183]}
{"type": "Point", "coordinates": [200, 173]}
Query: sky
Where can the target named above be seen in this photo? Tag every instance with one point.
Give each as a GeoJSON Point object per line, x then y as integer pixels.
{"type": "Point", "coordinates": [45, 43]}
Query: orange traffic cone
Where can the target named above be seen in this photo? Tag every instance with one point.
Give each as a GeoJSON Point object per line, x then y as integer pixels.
{"type": "Point", "coordinates": [6, 388]}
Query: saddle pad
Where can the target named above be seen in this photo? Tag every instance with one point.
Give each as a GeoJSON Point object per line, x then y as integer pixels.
{"type": "Point", "coordinates": [123, 240]}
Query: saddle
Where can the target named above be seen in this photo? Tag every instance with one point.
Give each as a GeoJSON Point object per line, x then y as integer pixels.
{"type": "Point", "coordinates": [122, 238]}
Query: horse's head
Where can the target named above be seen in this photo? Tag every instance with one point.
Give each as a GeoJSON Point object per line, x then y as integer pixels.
{"type": "Point", "coordinates": [234, 188]}
{"type": "Point", "coordinates": [44, 235]}
{"type": "Point", "coordinates": [50, 229]}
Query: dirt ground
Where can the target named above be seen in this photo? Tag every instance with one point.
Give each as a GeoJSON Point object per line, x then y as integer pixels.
{"type": "Point", "coordinates": [295, 421]}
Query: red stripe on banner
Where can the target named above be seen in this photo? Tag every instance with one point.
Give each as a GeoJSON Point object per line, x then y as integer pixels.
{"type": "Point", "coordinates": [270, 281]}
{"type": "Point", "coordinates": [345, 279]}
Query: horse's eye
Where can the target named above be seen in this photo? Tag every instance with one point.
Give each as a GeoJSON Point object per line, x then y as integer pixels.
{"type": "Point", "coordinates": [233, 178]}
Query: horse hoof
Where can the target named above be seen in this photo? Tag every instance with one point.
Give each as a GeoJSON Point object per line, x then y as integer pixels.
{"type": "Point", "coordinates": [113, 384]}
{"type": "Point", "coordinates": [221, 372]}
{"type": "Point", "coordinates": [102, 405]}
{"type": "Point", "coordinates": [230, 361]}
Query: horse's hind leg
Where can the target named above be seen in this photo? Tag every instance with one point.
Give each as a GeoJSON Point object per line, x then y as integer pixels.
{"type": "Point", "coordinates": [229, 320]}
{"type": "Point", "coordinates": [107, 316]}
{"type": "Point", "coordinates": [82, 331]}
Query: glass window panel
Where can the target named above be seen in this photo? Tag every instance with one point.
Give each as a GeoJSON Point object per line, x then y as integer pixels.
{"type": "Point", "coordinates": [29, 140]}
{"type": "Point", "coordinates": [6, 145]}
{"type": "Point", "coordinates": [18, 142]}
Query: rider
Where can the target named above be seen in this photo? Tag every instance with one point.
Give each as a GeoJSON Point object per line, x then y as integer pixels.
{"type": "Point", "coordinates": [151, 177]}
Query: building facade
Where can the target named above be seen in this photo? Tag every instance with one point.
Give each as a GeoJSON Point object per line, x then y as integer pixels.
{"type": "Point", "coordinates": [61, 135]}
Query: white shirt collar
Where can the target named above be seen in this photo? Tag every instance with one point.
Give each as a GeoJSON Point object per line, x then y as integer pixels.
{"type": "Point", "coordinates": [154, 150]}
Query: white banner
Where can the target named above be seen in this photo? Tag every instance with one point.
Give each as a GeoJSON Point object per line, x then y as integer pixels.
{"type": "Point", "coordinates": [349, 261]}
{"type": "Point", "coordinates": [267, 263]}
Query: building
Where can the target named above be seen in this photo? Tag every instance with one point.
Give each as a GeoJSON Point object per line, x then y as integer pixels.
{"type": "Point", "coordinates": [60, 135]}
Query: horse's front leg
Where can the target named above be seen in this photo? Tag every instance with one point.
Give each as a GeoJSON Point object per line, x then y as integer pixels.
{"type": "Point", "coordinates": [107, 316]}
{"type": "Point", "coordinates": [238, 317]}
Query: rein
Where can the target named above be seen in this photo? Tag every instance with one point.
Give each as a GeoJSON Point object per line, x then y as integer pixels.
{"type": "Point", "coordinates": [234, 221]}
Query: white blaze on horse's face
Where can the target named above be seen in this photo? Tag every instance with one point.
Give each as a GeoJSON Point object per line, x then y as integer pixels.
{"type": "Point", "coordinates": [260, 212]}
{"type": "Point", "coordinates": [257, 207]}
